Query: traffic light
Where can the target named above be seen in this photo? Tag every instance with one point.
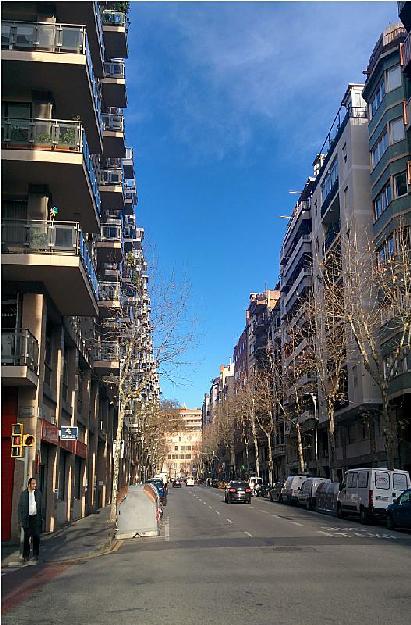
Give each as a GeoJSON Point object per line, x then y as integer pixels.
{"type": "Point", "coordinates": [28, 440]}
{"type": "Point", "coordinates": [17, 440]}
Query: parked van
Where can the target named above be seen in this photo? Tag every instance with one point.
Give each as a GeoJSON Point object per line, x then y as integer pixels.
{"type": "Point", "coordinates": [292, 487]}
{"type": "Point", "coordinates": [369, 492]}
{"type": "Point", "coordinates": [307, 495]}
{"type": "Point", "coordinates": [190, 481]}
{"type": "Point", "coordinates": [255, 482]}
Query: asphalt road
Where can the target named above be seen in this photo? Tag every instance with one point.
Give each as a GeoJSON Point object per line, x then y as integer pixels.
{"type": "Point", "coordinates": [219, 564]}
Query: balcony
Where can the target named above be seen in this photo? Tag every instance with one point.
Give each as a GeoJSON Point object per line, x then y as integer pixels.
{"type": "Point", "coordinates": [329, 199]}
{"type": "Point", "coordinates": [331, 235]}
{"type": "Point", "coordinates": [55, 153]}
{"type": "Point", "coordinates": [115, 34]}
{"type": "Point", "coordinates": [109, 294]}
{"type": "Point", "coordinates": [54, 58]}
{"type": "Point", "coordinates": [106, 357]}
{"type": "Point", "coordinates": [52, 253]}
{"type": "Point", "coordinates": [111, 188]}
{"type": "Point", "coordinates": [406, 55]}
{"type": "Point", "coordinates": [19, 358]}
{"type": "Point", "coordinates": [128, 164]}
{"type": "Point", "coordinates": [114, 84]}
{"type": "Point", "coordinates": [110, 246]}
{"type": "Point", "coordinates": [113, 134]}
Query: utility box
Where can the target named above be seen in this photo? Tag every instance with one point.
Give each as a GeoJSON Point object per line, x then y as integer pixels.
{"type": "Point", "coordinates": [139, 513]}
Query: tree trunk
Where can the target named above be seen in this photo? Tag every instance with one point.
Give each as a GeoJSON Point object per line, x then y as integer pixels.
{"type": "Point", "coordinates": [255, 441]}
{"type": "Point", "coordinates": [116, 465]}
{"type": "Point", "coordinates": [331, 438]}
{"type": "Point", "coordinates": [270, 459]}
{"type": "Point", "coordinates": [389, 430]}
{"type": "Point", "coordinates": [301, 463]}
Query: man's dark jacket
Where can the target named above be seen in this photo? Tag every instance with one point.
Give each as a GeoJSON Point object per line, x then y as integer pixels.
{"type": "Point", "coordinates": [24, 509]}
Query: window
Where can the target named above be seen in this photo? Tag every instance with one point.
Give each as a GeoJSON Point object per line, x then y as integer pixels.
{"type": "Point", "coordinates": [176, 448]}
{"type": "Point", "coordinates": [188, 456]}
{"type": "Point", "coordinates": [393, 78]}
{"type": "Point", "coordinates": [352, 480]}
{"type": "Point", "coordinates": [169, 456]}
{"type": "Point", "coordinates": [381, 201]}
{"type": "Point", "coordinates": [399, 481]}
{"type": "Point", "coordinates": [16, 110]}
{"type": "Point", "coordinates": [397, 132]}
{"type": "Point", "coordinates": [382, 480]}
{"type": "Point", "coordinates": [376, 99]}
{"type": "Point", "coordinates": [363, 479]}
{"type": "Point", "coordinates": [400, 184]}
{"type": "Point", "coordinates": [379, 148]}
{"type": "Point", "coordinates": [330, 180]}
{"type": "Point", "coordinates": [405, 497]}
{"type": "Point", "coordinates": [390, 246]}
{"type": "Point", "coordinates": [62, 474]}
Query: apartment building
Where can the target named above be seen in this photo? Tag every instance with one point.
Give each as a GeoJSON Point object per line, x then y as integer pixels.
{"type": "Point", "coordinates": [68, 228]}
{"type": "Point", "coordinates": [184, 447]}
{"type": "Point", "coordinates": [387, 93]}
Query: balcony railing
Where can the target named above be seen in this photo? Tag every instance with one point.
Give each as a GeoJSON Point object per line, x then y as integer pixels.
{"type": "Point", "coordinates": [110, 232]}
{"type": "Point", "coordinates": [109, 291]}
{"type": "Point", "coordinates": [330, 196]}
{"type": "Point", "coordinates": [52, 134]}
{"type": "Point", "coordinates": [48, 237]}
{"type": "Point", "coordinates": [113, 18]}
{"type": "Point", "coordinates": [115, 69]}
{"type": "Point", "coordinates": [19, 349]}
{"type": "Point", "coordinates": [406, 52]}
{"type": "Point", "coordinates": [108, 350]}
{"type": "Point", "coordinates": [56, 38]}
{"type": "Point", "coordinates": [113, 122]}
{"type": "Point", "coordinates": [111, 177]}
{"type": "Point", "coordinates": [331, 235]}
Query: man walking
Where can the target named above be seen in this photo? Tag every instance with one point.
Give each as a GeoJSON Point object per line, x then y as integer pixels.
{"type": "Point", "coordinates": [30, 516]}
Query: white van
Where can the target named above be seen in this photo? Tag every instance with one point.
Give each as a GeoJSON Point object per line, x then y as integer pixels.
{"type": "Point", "coordinates": [307, 495]}
{"type": "Point", "coordinates": [368, 492]}
{"type": "Point", "coordinates": [253, 482]}
{"type": "Point", "coordinates": [190, 481]}
{"type": "Point", "coordinates": [292, 487]}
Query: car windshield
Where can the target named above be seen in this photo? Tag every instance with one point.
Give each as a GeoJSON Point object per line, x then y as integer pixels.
{"type": "Point", "coordinates": [238, 485]}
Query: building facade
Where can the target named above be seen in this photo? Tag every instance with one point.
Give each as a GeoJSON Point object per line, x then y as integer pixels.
{"type": "Point", "coordinates": [184, 447]}
{"type": "Point", "coordinates": [69, 246]}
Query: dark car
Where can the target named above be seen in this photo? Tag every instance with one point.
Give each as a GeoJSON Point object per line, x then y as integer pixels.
{"type": "Point", "coordinates": [237, 491]}
{"type": "Point", "coordinates": [162, 492]}
{"type": "Point", "coordinates": [277, 492]}
{"type": "Point", "coordinates": [176, 484]}
{"type": "Point", "coordinates": [399, 512]}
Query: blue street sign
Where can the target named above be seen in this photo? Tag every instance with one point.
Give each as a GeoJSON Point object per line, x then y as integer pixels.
{"type": "Point", "coordinates": [68, 433]}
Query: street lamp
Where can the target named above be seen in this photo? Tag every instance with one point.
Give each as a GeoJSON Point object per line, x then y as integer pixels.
{"type": "Point", "coordinates": [314, 400]}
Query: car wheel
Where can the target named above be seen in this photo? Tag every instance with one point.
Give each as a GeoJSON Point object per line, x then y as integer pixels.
{"type": "Point", "coordinates": [340, 513]}
{"type": "Point", "coordinates": [390, 522]}
{"type": "Point", "coordinates": [364, 516]}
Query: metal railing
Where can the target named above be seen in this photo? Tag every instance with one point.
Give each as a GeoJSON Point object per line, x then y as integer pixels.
{"type": "Point", "coordinates": [113, 122]}
{"type": "Point", "coordinates": [109, 291]}
{"type": "Point", "coordinates": [111, 177]}
{"type": "Point", "coordinates": [55, 134]}
{"type": "Point", "coordinates": [19, 349]}
{"type": "Point", "coordinates": [114, 69]}
{"type": "Point", "coordinates": [108, 350]}
{"type": "Point", "coordinates": [56, 38]}
{"type": "Point", "coordinates": [48, 237]}
{"type": "Point", "coordinates": [331, 235]}
{"type": "Point", "coordinates": [113, 18]}
{"type": "Point", "coordinates": [110, 232]}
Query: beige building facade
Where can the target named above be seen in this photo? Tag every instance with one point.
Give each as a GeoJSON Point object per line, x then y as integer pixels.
{"type": "Point", "coordinates": [184, 447]}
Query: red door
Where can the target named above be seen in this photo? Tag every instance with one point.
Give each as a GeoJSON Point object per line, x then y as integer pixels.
{"type": "Point", "coordinates": [8, 417]}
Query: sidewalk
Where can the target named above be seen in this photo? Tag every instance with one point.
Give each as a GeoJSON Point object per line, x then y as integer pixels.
{"type": "Point", "coordinates": [80, 540]}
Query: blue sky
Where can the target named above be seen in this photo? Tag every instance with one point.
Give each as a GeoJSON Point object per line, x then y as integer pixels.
{"type": "Point", "coordinates": [228, 104]}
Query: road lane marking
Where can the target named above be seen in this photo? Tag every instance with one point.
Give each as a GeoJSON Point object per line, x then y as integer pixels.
{"type": "Point", "coordinates": [167, 530]}
{"type": "Point", "coordinates": [248, 534]}
{"type": "Point", "coordinates": [211, 507]}
{"type": "Point", "coordinates": [265, 511]}
{"type": "Point", "coordinates": [218, 512]}
{"type": "Point", "coordinates": [229, 520]}
{"type": "Point", "coordinates": [296, 523]}
{"type": "Point", "coordinates": [205, 503]}
{"type": "Point", "coordinates": [324, 533]}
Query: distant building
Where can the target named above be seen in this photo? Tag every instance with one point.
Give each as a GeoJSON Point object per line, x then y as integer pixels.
{"type": "Point", "coordinates": [184, 447]}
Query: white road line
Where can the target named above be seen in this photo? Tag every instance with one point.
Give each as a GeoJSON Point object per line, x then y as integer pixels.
{"type": "Point", "coordinates": [276, 516]}
{"type": "Point", "coordinates": [296, 523]}
{"type": "Point", "coordinates": [211, 507]}
{"type": "Point", "coordinates": [265, 511]}
{"type": "Point", "coordinates": [229, 520]}
{"type": "Point", "coordinates": [248, 534]}
{"type": "Point", "coordinates": [205, 503]}
{"type": "Point", "coordinates": [218, 512]}
{"type": "Point", "coordinates": [167, 530]}
{"type": "Point", "coordinates": [324, 533]}
{"type": "Point", "coordinates": [251, 506]}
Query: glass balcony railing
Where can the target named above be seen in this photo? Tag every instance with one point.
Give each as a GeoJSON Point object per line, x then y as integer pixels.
{"type": "Point", "coordinates": [109, 291]}
{"type": "Point", "coordinates": [110, 232]}
{"type": "Point", "coordinates": [53, 134]}
{"type": "Point", "coordinates": [113, 18]}
{"type": "Point", "coordinates": [48, 237]}
{"type": "Point", "coordinates": [115, 69]}
{"type": "Point", "coordinates": [56, 38]}
{"type": "Point", "coordinates": [19, 349]}
{"type": "Point", "coordinates": [107, 350]}
{"type": "Point", "coordinates": [113, 122]}
{"type": "Point", "coordinates": [99, 29]}
{"type": "Point", "coordinates": [111, 177]}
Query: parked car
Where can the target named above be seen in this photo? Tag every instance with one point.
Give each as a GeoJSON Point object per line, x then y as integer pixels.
{"type": "Point", "coordinates": [190, 481]}
{"type": "Point", "coordinates": [368, 492]}
{"type": "Point", "coordinates": [326, 497]}
{"type": "Point", "coordinates": [292, 486]}
{"type": "Point", "coordinates": [277, 491]}
{"type": "Point", "coordinates": [176, 484]}
{"type": "Point", "coordinates": [262, 490]}
{"type": "Point", "coordinates": [160, 488]}
{"type": "Point", "coordinates": [215, 482]}
{"type": "Point", "coordinates": [307, 495]}
{"type": "Point", "coordinates": [237, 491]}
{"type": "Point", "coordinates": [399, 512]}
{"type": "Point", "coordinates": [254, 483]}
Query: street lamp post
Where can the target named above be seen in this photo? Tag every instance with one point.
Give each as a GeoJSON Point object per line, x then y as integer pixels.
{"type": "Point", "coordinates": [314, 400]}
